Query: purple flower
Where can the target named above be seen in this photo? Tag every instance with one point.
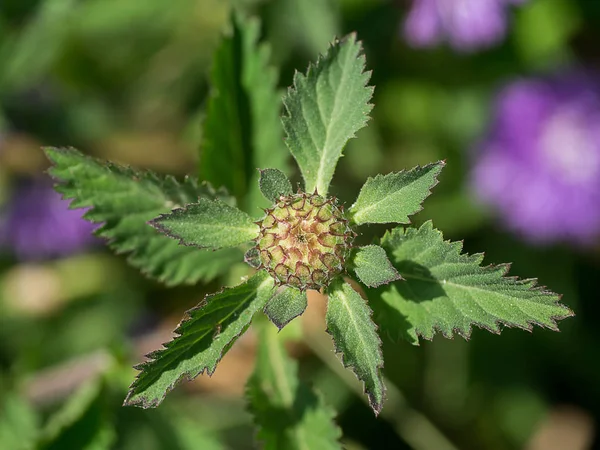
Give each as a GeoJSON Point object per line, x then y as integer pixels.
{"type": "Point", "coordinates": [467, 25]}
{"type": "Point", "coordinates": [540, 164]}
{"type": "Point", "coordinates": [37, 223]}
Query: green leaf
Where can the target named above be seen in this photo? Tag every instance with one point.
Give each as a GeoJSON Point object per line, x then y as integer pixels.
{"type": "Point", "coordinates": [252, 257]}
{"type": "Point", "coordinates": [373, 267]}
{"type": "Point", "coordinates": [84, 422]}
{"type": "Point", "coordinates": [450, 292]}
{"type": "Point", "coordinates": [23, 64]}
{"type": "Point", "coordinates": [242, 129]}
{"type": "Point", "coordinates": [393, 197]}
{"type": "Point", "coordinates": [355, 337]}
{"type": "Point", "coordinates": [209, 224]}
{"type": "Point", "coordinates": [274, 184]}
{"type": "Point", "coordinates": [125, 200]}
{"type": "Point", "coordinates": [286, 304]}
{"type": "Point", "coordinates": [202, 339]}
{"type": "Point", "coordinates": [18, 423]}
{"type": "Point", "coordinates": [325, 108]}
{"type": "Point", "coordinates": [289, 414]}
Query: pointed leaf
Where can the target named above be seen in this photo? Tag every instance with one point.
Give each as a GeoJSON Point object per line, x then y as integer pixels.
{"type": "Point", "coordinates": [325, 108]}
{"type": "Point", "coordinates": [355, 337]}
{"type": "Point", "coordinates": [274, 184]}
{"type": "Point", "coordinates": [373, 267]}
{"type": "Point", "coordinates": [286, 304]}
{"type": "Point", "coordinates": [125, 200]}
{"type": "Point", "coordinates": [242, 129]}
{"type": "Point", "coordinates": [207, 224]}
{"type": "Point", "coordinates": [393, 197]}
{"type": "Point", "coordinates": [451, 292]}
{"type": "Point", "coordinates": [202, 339]}
{"type": "Point", "coordinates": [289, 414]}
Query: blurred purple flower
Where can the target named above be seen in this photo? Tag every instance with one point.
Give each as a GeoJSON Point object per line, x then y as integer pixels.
{"type": "Point", "coordinates": [540, 164]}
{"type": "Point", "coordinates": [37, 223]}
{"type": "Point", "coordinates": [468, 25]}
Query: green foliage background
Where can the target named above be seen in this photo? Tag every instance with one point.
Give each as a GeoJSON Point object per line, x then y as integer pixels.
{"type": "Point", "coordinates": [126, 80]}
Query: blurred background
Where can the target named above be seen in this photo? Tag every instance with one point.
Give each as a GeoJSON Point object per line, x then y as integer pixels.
{"type": "Point", "coordinates": [507, 92]}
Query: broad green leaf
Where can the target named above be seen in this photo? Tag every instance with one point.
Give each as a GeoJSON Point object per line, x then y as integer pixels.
{"type": "Point", "coordinates": [355, 337]}
{"type": "Point", "coordinates": [18, 423]}
{"type": "Point", "coordinates": [209, 224]}
{"type": "Point", "coordinates": [325, 108]}
{"type": "Point", "coordinates": [450, 292]}
{"type": "Point", "coordinates": [242, 129]}
{"type": "Point", "coordinates": [286, 304]}
{"type": "Point", "coordinates": [289, 414]}
{"type": "Point", "coordinates": [202, 339]}
{"type": "Point", "coordinates": [124, 200]}
{"type": "Point", "coordinates": [373, 267]}
{"type": "Point", "coordinates": [393, 197]}
{"type": "Point", "coordinates": [273, 184]}
{"type": "Point", "coordinates": [84, 422]}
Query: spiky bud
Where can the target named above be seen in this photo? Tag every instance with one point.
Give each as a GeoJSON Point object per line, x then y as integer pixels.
{"type": "Point", "coordinates": [303, 241]}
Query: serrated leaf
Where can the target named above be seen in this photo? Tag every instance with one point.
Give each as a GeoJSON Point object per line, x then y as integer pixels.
{"type": "Point", "coordinates": [392, 198]}
{"type": "Point", "coordinates": [289, 414]}
{"type": "Point", "coordinates": [450, 292]}
{"type": "Point", "coordinates": [242, 129]}
{"type": "Point", "coordinates": [124, 200]}
{"type": "Point", "coordinates": [373, 267]}
{"type": "Point", "coordinates": [355, 336]}
{"type": "Point", "coordinates": [273, 184]}
{"type": "Point", "coordinates": [82, 423]}
{"type": "Point", "coordinates": [325, 108]}
{"type": "Point", "coordinates": [286, 304]}
{"type": "Point", "coordinates": [207, 333]}
{"type": "Point", "coordinates": [209, 224]}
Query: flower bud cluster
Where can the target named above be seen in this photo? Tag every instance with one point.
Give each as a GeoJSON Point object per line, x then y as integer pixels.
{"type": "Point", "coordinates": [304, 241]}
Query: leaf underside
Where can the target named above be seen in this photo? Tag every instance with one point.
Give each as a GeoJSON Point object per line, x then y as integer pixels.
{"type": "Point", "coordinates": [209, 224]}
{"type": "Point", "coordinates": [242, 130]}
{"type": "Point", "coordinates": [450, 292]}
{"type": "Point", "coordinates": [288, 413]}
{"type": "Point", "coordinates": [286, 304]}
{"type": "Point", "coordinates": [207, 333]}
{"type": "Point", "coordinates": [392, 198]}
{"type": "Point", "coordinates": [372, 266]}
{"type": "Point", "coordinates": [124, 200]}
{"type": "Point", "coordinates": [324, 109]}
{"type": "Point", "coordinates": [355, 336]}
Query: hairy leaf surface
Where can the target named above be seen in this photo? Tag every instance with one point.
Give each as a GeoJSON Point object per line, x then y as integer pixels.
{"type": "Point", "coordinates": [372, 266]}
{"type": "Point", "coordinates": [242, 129]}
{"type": "Point", "coordinates": [392, 198]}
{"type": "Point", "coordinates": [355, 337]}
{"type": "Point", "coordinates": [325, 108]}
{"type": "Point", "coordinates": [202, 339]}
{"type": "Point", "coordinates": [450, 292]}
{"type": "Point", "coordinates": [289, 414]}
{"type": "Point", "coordinates": [286, 304]}
{"type": "Point", "coordinates": [207, 224]}
{"type": "Point", "coordinates": [273, 184]}
{"type": "Point", "coordinates": [124, 200]}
